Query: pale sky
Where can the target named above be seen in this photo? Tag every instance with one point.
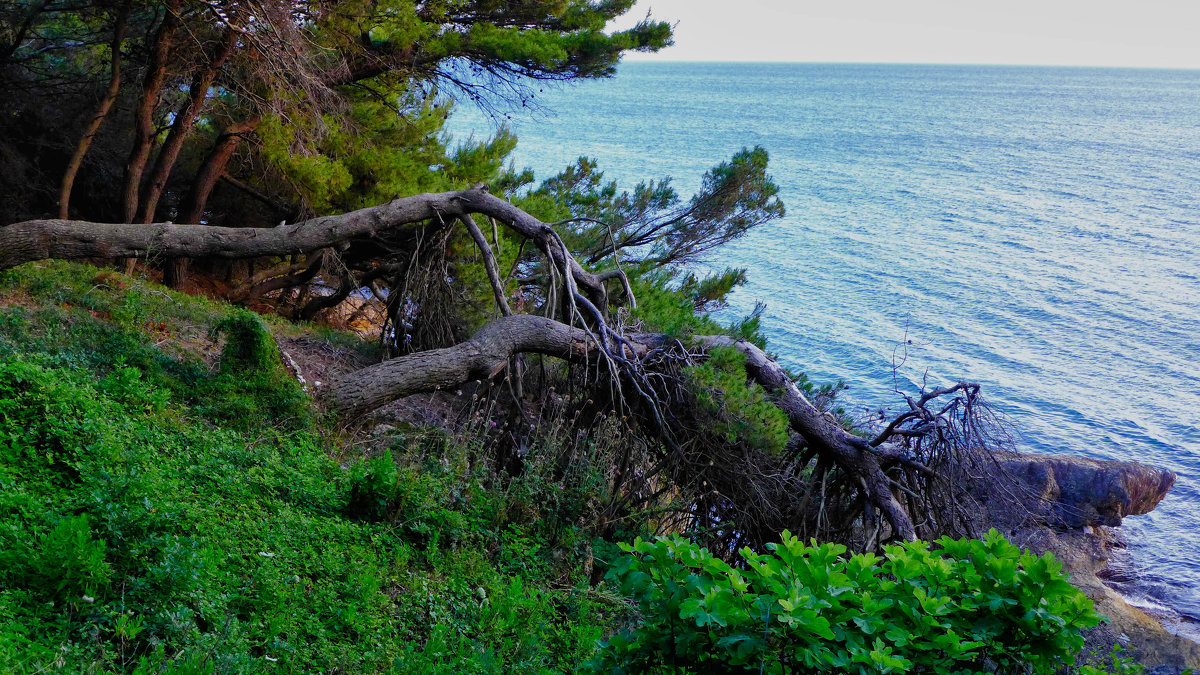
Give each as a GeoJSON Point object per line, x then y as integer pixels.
{"type": "Point", "coordinates": [1144, 33]}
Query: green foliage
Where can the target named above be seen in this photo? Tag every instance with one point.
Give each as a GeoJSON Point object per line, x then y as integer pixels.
{"type": "Point", "coordinates": [67, 564]}
{"type": "Point", "coordinates": [141, 531]}
{"type": "Point", "coordinates": [666, 309]}
{"type": "Point", "coordinates": [1117, 664]}
{"type": "Point", "coordinates": [733, 408]}
{"type": "Point", "coordinates": [252, 383]}
{"type": "Point", "coordinates": [651, 226]}
{"type": "Point", "coordinates": [969, 606]}
{"type": "Point", "coordinates": [351, 96]}
{"type": "Point", "coordinates": [378, 152]}
{"type": "Point", "coordinates": [709, 293]}
{"type": "Point", "coordinates": [249, 347]}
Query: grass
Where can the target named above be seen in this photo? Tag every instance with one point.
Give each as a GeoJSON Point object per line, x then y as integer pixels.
{"type": "Point", "coordinates": [170, 501]}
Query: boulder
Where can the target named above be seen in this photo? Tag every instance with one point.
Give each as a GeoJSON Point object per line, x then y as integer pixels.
{"type": "Point", "coordinates": [1063, 491]}
{"type": "Point", "coordinates": [1061, 504]}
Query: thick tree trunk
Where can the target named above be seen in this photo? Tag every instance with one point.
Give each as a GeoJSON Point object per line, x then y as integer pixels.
{"type": "Point", "coordinates": [182, 125]}
{"type": "Point", "coordinates": [488, 352]}
{"type": "Point", "coordinates": [74, 240]}
{"type": "Point", "coordinates": [110, 96]}
{"type": "Point", "coordinates": [485, 355]}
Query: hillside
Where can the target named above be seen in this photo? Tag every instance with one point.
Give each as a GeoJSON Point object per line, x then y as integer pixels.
{"type": "Point", "coordinates": [170, 495]}
{"type": "Point", "coordinates": [173, 501]}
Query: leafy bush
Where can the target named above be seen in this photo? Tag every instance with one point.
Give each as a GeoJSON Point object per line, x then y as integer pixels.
{"type": "Point", "coordinates": [252, 384]}
{"type": "Point", "coordinates": [969, 606]}
{"type": "Point", "coordinates": [68, 564]}
{"type": "Point", "coordinates": [248, 344]}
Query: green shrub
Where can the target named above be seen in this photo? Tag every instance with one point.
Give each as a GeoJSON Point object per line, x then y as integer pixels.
{"type": "Point", "coordinates": [1117, 664]}
{"type": "Point", "coordinates": [252, 385]}
{"type": "Point", "coordinates": [69, 563]}
{"type": "Point", "coordinates": [51, 421]}
{"type": "Point", "coordinates": [970, 606]}
{"type": "Point", "coordinates": [375, 490]}
{"type": "Point", "coordinates": [734, 409]}
{"type": "Point", "coordinates": [249, 347]}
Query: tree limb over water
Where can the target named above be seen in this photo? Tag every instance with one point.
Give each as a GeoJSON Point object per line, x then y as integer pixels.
{"type": "Point", "coordinates": [896, 476]}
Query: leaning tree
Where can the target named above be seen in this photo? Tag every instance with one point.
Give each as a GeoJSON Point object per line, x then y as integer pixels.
{"type": "Point", "coordinates": [316, 115]}
{"type": "Point", "coordinates": [902, 482]}
{"type": "Point", "coordinates": [234, 112]}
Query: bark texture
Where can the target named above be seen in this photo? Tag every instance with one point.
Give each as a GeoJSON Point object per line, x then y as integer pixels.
{"type": "Point", "coordinates": [182, 125]}
{"type": "Point", "coordinates": [106, 103]}
{"type": "Point", "coordinates": [213, 168]}
{"type": "Point", "coordinates": [484, 356]}
{"type": "Point", "coordinates": [73, 240]}
{"type": "Point", "coordinates": [152, 85]}
{"type": "Point", "coordinates": [823, 434]}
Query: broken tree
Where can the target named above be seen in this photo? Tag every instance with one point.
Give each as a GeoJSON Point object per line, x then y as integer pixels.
{"type": "Point", "coordinates": [888, 486]}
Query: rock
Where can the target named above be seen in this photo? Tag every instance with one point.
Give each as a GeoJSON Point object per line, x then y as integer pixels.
{"type": "Point", "coordinates": [1065, 505]}
{"type": "Point", "coordinates": [1076, 492]}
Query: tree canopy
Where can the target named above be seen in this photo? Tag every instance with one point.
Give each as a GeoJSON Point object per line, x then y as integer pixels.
{"type": "Point", "coordinates": [137, 108]}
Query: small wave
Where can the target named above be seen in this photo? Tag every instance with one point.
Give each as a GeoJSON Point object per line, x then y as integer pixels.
{"type": "Point", "coordinates": [1017, 245]}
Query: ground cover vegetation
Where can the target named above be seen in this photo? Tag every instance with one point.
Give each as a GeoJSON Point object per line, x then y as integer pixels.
{"type": "Point", "coordinates": [164, 513]}
{"type": "Point", "coordinates": [175, 499]}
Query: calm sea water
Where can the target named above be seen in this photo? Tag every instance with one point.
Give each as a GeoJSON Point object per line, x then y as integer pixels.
{"type": "Point", "coordinates": [1033, 229]}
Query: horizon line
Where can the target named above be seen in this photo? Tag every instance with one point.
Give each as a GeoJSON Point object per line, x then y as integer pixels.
{"type": "Point", "coordinates": [631, 58]}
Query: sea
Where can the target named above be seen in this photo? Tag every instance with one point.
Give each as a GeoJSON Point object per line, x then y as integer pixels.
{"type": "Point", "coordinates": [1033, 229]}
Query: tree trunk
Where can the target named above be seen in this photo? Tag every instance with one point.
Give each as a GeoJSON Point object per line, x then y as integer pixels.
{"type": "Point", "coordinates": [823, 433]}
{"type": "Point", "coordinates": [182, 125]}
{"type": "Point", "coordinates": [110, 96]}
{"type": "Point", "coordinates": [213, 168]}
{"type": "Point", "coordinates": [175, 269]}
{"type": "Point", "coordinates": [487, 353]}
{"type": "Point", "coordinates": [483, 356]}
{"type": "Point", "coordinates": [143, 117]}
{"type": "Point", "coordinates": [74, 240]}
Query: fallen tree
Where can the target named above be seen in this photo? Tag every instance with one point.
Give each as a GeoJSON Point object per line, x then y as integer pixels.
{"type": "Point", "coordinates": [894, 486]}
{"type": "Point", "coordinates": [490, 351]}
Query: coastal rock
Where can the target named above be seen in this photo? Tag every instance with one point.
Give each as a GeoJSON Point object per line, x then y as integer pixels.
{"type": "Point", "coordinates": [1084, 555]}
{"type": "Point", "coordinates": [1075, 492]}
{"type": "Point", "coordinates": [1065, 505]}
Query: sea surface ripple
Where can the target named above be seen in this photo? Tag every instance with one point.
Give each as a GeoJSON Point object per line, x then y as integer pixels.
{"type": "Point", "coordinates": [1033, 229]}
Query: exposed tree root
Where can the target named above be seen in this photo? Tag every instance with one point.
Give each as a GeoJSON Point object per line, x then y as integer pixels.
{"type": "Point", "coordinates": [887, 487]}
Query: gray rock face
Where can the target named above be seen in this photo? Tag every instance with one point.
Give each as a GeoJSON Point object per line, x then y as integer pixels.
{"type": "Point", "coordinates": [1041, 502]}
{"type": "Point", "coordinates": [1062, 491]}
